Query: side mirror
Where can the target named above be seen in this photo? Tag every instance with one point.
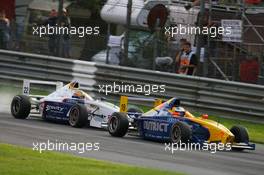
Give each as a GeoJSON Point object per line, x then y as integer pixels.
{"type": "Point", "coordinates": [204, 116]}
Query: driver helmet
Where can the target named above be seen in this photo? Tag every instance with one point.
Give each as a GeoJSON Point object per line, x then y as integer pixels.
{"type": "Point", "coordinates": [78, 94]}
{"type": "Point", "coordinates": [178, 112]}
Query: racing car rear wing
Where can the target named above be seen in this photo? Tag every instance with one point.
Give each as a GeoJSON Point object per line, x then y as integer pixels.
{"type": "Point", "coordinates": [27, 83]}
{"type": "Point", "coordinates": [124, 101]}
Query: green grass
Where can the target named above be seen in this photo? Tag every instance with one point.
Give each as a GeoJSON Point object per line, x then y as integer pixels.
{"type": "Point", "coordinates": [23, 161]}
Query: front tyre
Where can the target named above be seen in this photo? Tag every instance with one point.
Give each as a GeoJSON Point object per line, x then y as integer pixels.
{"type": "Point", "coordinates": [20, 106]}
{"type": "Point", "coordinates": [180, 132]}
{"type": "Point", "coordinates": [78, 116]}
{"type": "Point", "coordinates": [118, 124]}
{"type": "Point", "coordinates": [241, 136]}
{"type": "Point", "coordinates": [240, 133]}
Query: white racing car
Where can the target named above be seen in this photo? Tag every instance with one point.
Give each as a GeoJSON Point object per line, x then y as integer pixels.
{"type": "Point", "coordinates": [68, 103]}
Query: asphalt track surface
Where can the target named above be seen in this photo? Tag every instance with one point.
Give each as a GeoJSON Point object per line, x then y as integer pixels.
{"type": "Point", "coordinates": [132, 150]}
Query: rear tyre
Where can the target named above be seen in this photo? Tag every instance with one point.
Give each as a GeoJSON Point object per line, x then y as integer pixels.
{"type": "Point", "coordinates": [78, 116]}
{"type": "Point", "coordinates": [20, 107]}
{"type": "Point", "coordinates": [118, 124]}
{"type": "Point", "coordinates": [180, 132]}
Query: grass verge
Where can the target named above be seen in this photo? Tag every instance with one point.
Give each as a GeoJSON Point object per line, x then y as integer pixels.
{"type": "Point", "coordinates": [24, 161]}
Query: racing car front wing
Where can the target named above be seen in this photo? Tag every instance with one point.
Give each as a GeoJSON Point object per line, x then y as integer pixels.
{"type": "Point", "coordinates": [249, 146]}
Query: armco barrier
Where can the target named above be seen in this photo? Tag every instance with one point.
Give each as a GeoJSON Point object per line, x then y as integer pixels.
{"type": "Point", "coordinates": [225, 98]}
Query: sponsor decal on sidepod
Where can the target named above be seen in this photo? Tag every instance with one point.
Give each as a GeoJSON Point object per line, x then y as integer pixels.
{"type": "Point", "coordinates": [156, 126]}
{"type": "Point", "coordinates": [54, 108]}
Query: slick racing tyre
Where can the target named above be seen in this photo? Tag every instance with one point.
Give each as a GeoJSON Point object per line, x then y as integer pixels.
{"type": "Point", "coordinates": [78, 116]}
{"type": "Point", "coordinates": [241, 136]}
{"type": "Point", "coordinates": [180, 132]}
{"type": "Point", "coordinates": [20, 107]}
{"type": "Point", "coordinates": [135, 110]}
{"type": "Point", "coordinates": [118, 124]}
{"type": "Point", "coordinates": [240, 133]}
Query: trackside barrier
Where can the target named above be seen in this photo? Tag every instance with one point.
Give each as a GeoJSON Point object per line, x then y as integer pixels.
{"type": "Point", "coordinates": [204, 95]}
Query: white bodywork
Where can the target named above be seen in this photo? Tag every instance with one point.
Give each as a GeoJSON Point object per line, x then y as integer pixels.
{"type": "Point", "coordinates": [98, 110]}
